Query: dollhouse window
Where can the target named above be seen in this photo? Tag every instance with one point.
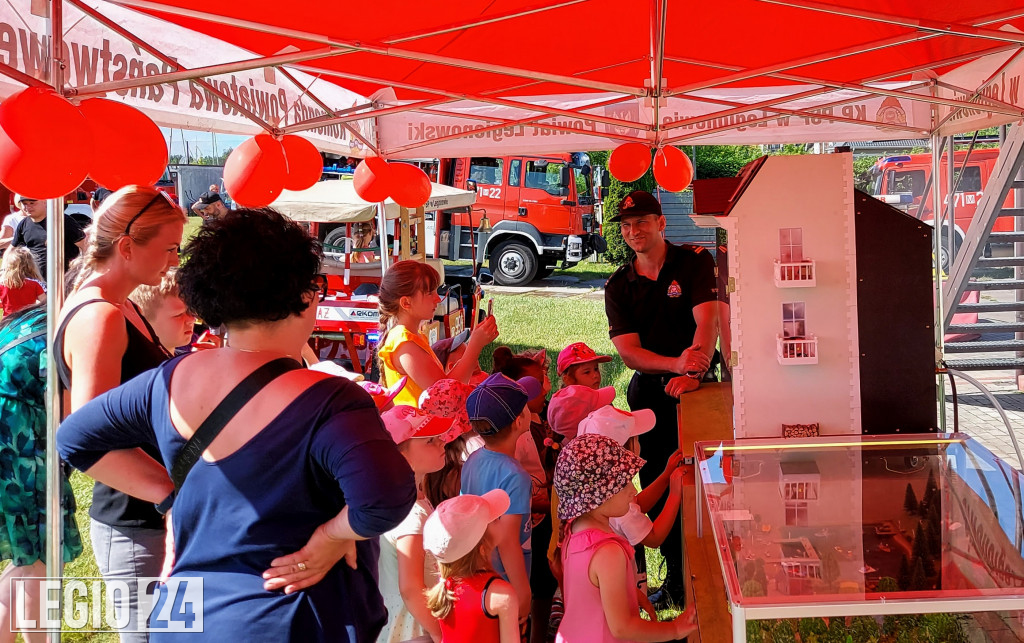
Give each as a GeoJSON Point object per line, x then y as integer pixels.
{"type": "Point", "coordinates": [796, 514]}
{"type": "Point", "coordinates": [792, 268]}
{"type": "Point", "coordinates": [794, 321]}
{"type": "Point", "coordinates": [791, 245]}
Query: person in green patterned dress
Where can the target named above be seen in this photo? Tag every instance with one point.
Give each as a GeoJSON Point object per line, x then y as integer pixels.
{"type": "Point", "coordinates": [23, 463]}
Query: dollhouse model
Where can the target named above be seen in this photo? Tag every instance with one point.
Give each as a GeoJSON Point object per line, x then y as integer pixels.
{"type": "Point", "coordinates": [824, 285]}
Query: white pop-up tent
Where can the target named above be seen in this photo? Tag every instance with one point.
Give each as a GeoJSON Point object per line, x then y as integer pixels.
{"type": "Point", "coordinates": [337, 202]}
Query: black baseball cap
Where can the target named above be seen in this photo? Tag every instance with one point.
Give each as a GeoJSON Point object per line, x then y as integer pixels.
{"type": "Point", "coordinates": [99, 194]}
{"type": "Point", "coordinates": [209, 198]}
{"type": "Point", "coordinates": [636, 204]}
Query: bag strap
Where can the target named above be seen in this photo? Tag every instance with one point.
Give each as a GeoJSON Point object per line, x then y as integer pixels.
{"type": "Point", "coordinates": [22, 340]}
{"type": "Point", "coordinates": [225, 411]}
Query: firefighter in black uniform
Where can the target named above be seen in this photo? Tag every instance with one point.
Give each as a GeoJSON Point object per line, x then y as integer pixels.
{"type": "Point", "coordinates": [662, 312]}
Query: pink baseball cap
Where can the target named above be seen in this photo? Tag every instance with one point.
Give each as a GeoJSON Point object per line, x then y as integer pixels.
{"type": "Point", "coordinates": [458, 524]}
{"type": "Point", "coordinates": [578, 353]}
{"type": "Point", "coordinates": [617, 424]}
{"type": "Point", "coordinates": [407, 422]}
{"type": "Point", "coordinates": [383, 396]}
{"type": "Point", "coordinates": [571, 404]}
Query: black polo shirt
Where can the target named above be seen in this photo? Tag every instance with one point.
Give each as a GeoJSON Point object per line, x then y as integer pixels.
{"type": "Point", "coordinates": [661, 312]}
{"type": "Point", "coordinates": [32, 235]}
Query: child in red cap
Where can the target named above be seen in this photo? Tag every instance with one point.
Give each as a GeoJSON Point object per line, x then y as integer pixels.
{"type": "Point", "coordinates": [579, 364]}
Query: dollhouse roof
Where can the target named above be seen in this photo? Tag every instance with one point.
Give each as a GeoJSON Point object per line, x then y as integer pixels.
{"type": "Point", "coordinates": [718, 196]}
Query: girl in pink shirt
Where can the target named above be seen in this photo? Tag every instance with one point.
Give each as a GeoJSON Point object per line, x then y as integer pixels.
{"type": "Point", "coordinates": [594, 482]}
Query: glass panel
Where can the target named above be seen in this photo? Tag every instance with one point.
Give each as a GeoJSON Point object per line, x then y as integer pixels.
{"type": "Point", "coordinates": [485, 171]}
{"type": "Point", "coordinates": [971, 181]}
{"type": "Point", "coordinates": [513, 172]}
{"type": "Point", "coordinates": [542, 175]}
{"type": "Point", "coordinates": [936, 515]}
{"type": "Point", "coordinates": [784, 236]}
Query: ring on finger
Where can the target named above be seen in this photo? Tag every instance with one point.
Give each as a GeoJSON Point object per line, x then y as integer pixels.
{"type": "Point", "coordinates": [301, 566]}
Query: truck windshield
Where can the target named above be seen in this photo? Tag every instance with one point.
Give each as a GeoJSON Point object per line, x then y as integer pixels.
{"type": "Point", "coordinates": [544, 175]}
{"type": "Point", "coordinates": [904, 181]}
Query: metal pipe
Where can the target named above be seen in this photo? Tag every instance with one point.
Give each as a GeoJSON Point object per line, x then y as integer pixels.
{"type": "Point", "coordinates": [940, 387]}
{"type": "Point", "coordinates": [324, 106]}
{"type": "Point", "coordinates": [999, 409]}
{"type": "Point", "coordinates": [950, 212]}
{"type": "Point", "coordinates": [54, 302]}
{"type": "Point", "coordinates": [20, 76]}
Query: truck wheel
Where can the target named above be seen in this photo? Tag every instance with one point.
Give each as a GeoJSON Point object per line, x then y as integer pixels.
{"type": "Point", "coordinates": [335, 238]}
{"type": "Point", "coordinates": [513, 263]}
{"type": "Point", "coordinates": [544, 273]}
{"type": "Point", "coordinates": [945, 261]}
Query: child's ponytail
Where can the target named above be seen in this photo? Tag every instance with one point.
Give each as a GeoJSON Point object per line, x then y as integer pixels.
{"type": "Point", "coordinates": [441, 598]}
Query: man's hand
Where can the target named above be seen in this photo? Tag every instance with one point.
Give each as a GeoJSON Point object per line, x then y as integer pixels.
{"type": "Point", "coordinates": [692, 360]}
{"type": "Point", "coordinates": [679, 386]}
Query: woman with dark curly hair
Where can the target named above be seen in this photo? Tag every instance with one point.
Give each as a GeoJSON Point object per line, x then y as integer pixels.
{"type": "Point", "coordinates": [305, 465]}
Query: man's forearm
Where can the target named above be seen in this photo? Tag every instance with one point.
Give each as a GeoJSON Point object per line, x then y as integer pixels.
{"type": "Point", "coordinates": [645, 361]}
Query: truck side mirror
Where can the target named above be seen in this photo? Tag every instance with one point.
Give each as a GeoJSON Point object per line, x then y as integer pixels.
{"type": "Point", "coordinates": [566, 176]}
{"type": "Point", "coordinates": [471, 185]}
{"type": "Point", "coordinates": [604, 192]}
{"type": "Point", "coordinates": [606, 182]}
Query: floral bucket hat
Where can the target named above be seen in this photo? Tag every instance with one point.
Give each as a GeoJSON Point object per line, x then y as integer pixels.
{"type": "Point", "coordinates": [447, 398]}
{"type": "Point", "coordinates": [591, 469]}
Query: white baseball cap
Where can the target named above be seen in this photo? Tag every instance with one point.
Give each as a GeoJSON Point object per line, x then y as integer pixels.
{"type": "Point", "coordinates": [458, 524]}
{"type": "Point", "coordinates": [617, 424]}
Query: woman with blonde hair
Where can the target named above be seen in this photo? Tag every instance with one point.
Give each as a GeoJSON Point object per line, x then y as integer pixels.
{"type": "Point", "coordinates": [408, 298]}
{"type": "Point", "coordinates": [21, 285]}
{"type": "Point", "coordinates": [102, 341]}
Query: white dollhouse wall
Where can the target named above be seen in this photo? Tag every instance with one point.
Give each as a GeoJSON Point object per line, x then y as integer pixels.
{"type": "Point", "coordinates": [815, 194]}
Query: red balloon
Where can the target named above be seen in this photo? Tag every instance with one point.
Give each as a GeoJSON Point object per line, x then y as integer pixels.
{"type": "Point", "coordinates": [629, 161]}
{"type": "Point", "coordinates": [255, 171]}
{"type": "Point", "coordinates": [129, 148]}
{"type": "Point", "coordinates": [672, 169]}
{"type": "Point", "coordinates": [411, 185]}
{"type": "Point", "coordinates": [305, 165]}
{"type": "Point", "coordinates": [41, 150]}
{"type": "Point", "coordinates": [372, 179]}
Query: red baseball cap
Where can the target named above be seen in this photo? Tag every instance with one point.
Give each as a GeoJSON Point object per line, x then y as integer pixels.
{"type": "Point", "coordinates": [578, 353]}
{"type": "Point", "coordinates": [407, 422]}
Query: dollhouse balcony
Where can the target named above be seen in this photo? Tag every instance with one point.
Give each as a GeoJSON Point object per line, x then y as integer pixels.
{"type": "Point", "coordinates": [797, 350]}
{"type": "Point", "coordinates": [797, 274]}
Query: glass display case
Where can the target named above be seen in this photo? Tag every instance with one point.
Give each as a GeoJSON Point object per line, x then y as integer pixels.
{"type": "Point", "coordinates": [873, 525]}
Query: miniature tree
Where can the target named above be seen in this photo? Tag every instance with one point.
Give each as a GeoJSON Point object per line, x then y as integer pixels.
{"type": "Point", "coordinates": [910, 500]}
{"type": "Point", "coordinates": [918, 578]}
{"type": "Point", "coordinates": [812, 629]}
{"type": "Point", "coordinates": [934, 535]}
{"type": "Point", "coordinates": [864, 629]}
{"type": "Point", "coordinates": [782, 632]}
{"type": "Point", "coordinates": [903, 580]}
{"type": "Point", "coordinates": [888, 584]}
{"type": "Point", "coordinates": [752, 588]}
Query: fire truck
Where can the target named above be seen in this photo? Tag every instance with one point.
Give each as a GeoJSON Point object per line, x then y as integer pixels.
{"type": "Point", "coordinates": [541, 210]}
{"type": "Point", "coordinates": [902, 181]}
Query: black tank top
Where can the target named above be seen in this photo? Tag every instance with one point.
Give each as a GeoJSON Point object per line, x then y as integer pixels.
{"type": "Point", "coordinates": [109, 506]}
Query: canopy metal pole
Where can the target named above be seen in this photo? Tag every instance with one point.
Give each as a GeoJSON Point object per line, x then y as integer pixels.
{"type": "Point", "coordinates": [54, 301]}
{"type": "Point", "coordinates": [940, 384]}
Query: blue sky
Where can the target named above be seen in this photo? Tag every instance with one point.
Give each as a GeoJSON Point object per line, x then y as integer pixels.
{"type": "Point", "coordinates": [200, 143]}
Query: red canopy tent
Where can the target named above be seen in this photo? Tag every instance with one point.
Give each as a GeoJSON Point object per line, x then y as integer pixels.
{"type": "Point", "coordinates": [522, 76]}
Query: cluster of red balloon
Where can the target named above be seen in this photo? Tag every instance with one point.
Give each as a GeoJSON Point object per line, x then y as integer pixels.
{"type": "Point", "coordinates": [48, 146]}
{"type": "Point", "coordinates": [672, 168]}
{"type": "Point", "coordinates": [261, 167]}
{"type": "Point", "coordinates": [375, 180]}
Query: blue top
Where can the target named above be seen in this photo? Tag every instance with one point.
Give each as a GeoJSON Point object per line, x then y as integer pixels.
{"type": "Point", "coordinates": [486, 470]}
{"type": "Point", "coordinates": [327, 449]}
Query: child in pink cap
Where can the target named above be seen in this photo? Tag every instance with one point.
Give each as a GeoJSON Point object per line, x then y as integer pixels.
{"type": "Point", "coordinates": [471, 602]}
{"type": "Point", "coordinates": [404, 571]}
{"type": "Point", "coordinates": [579, 364]}
{"type": "Point", "coordinates": [447, 398]}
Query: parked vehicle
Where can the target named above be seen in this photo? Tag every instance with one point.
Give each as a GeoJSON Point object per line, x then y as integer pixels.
{"type": "Point", "coordinates": [541, 210]}
{"type": "Point", "coordinates": [901, 181]}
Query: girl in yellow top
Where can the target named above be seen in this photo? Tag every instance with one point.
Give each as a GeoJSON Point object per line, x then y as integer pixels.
{"type": "Point", "coordinates": [408, 297]}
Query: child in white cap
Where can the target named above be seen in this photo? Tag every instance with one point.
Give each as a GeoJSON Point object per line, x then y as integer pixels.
{"type": "Point", "coordinates": [405, 572]}
{"type": "Point", "coordinates": [635, 526]}
{"type": "Point", "coordinates": [594, 480]}
{"type": "Point", "coordinates": [471, 602]}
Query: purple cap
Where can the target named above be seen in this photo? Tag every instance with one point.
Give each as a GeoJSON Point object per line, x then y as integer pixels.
{"type": "Point", "coordinates": [499, 400]}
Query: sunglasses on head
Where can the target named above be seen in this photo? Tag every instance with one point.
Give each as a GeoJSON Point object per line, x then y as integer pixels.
{"type": "Point", "coordinates": [159, 194]}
